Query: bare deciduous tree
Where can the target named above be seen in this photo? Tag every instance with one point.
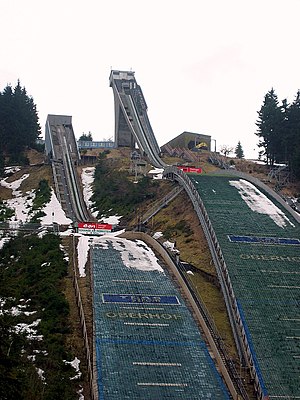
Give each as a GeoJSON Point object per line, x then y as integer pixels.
{"type": "Point", "coordinates": [225, 149]}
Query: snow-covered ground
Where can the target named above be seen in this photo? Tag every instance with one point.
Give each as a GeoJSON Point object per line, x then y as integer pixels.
{"type": "Point", "coordinates": [19, 203]}
{"type": "Point", "coordinates": [87, 178]}
{"type": "Point", "coordinates": [134, 254]}
{"type": "Point", "coordinates": [260, 203]}
{"type": "Point", "coordinates": [22, 204]}
{"type": "Point", "coordinates": [54, 212]}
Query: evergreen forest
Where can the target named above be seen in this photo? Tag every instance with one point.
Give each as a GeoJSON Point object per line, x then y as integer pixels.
{"type": "Point", "coordinates": [19, 125]}
{"type": "Point", "coordinates": [279, 132]}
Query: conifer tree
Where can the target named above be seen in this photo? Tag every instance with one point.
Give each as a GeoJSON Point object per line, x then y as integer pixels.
{"type": "Point", "coordinates": [269, 125]}
{"type": "Point", "coordinates": [19, 126]}
{"type": "Point", "coordinates": [85, 137]}
{"type": "Point", "coordinates": [293, 136]}
{"type": "Point", "coordinates": [279, 131]}
{"type": "Point", "coordinates": [6, 121]}
{"type": "Point", "coordinates": [239, 152]}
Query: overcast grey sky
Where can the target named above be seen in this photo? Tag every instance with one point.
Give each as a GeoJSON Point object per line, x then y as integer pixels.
{"type": "Point", "coordinates": [203, 66]}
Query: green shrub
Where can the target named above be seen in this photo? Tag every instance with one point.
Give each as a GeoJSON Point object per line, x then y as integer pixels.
{"type": "Point", "coordinates": [115, 193]}
{"type": "Point", "coordinates": [5, 212]}
{"type": "Point", "coordinates": [42, 195]}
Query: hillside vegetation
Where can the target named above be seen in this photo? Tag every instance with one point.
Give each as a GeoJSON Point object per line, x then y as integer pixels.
{"type": "Point", "coordinates": [34, 321]}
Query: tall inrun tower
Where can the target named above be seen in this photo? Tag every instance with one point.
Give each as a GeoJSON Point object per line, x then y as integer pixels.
{"type": "Point", "coordinates": [122, 82]}
{"type": "Point", "coordinates": [132, 125]}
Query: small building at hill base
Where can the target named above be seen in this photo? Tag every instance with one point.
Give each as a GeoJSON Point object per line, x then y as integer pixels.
{"type": "Point", "coordinates": [190, 140]}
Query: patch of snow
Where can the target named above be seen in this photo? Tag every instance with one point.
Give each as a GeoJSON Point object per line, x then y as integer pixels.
{"type": "Point", "coordinates": [28, 313]}
{"type": "Point", "coordinates": [82, 253]}
{"type": "Point", "coordinates": [54, 212]}
{"type": "Point", "coordinates": [87, 178]}
{"type": "Point", "coordinates": [157, 173]}
{"type": "Point", "coordinates": [27, 327]}
{"type": "Point", "coordinates": [169, 245]}
{"type": "Point", "coordinates": [35, 337]}
{"type": "Point", "coordinates": [68, 232]}
{"type": "Point", "coordinates": [44, 352]}
{"type": "Point", "coordinates": [260, 203]}
{"type": "Point", "coordinates": [15, 184]}
{"type": "Point", "coordinates": [157, 235]}
{"type": "Point", "coordinates": [3, 240]}
{"type": "Point", "coordinates": [81, 396]}
{"type": "Point", "coordinates": [2, 302]}
{"type": "Point", "coordinates": [40, 373]}
{"type": "Point", "coordinates": [66, 255]}
{"type": "Point", "coordinates": [113, 220]}
{"type": "Point", "coordinates": [21, 205]}
{"type": "Point", "coordinates": [75, 364]}
{"type": "Point", "coordinates": [22, 305]}
{"type": "Point", "coordinates": [83, 246]}
{"type": "Point", "coordinates": [190, 272]}
{"type": "Point", "coordinates": [29, 330]}
{"type": "Point", "coordinates": [45, 264]}
{"type": "Point", "coordinates": [15, 311]}
{"type": "Point", "coordinates": [42, 232]}
{"type": "Point", "coordinates": [116, 233]}
{"type": "Point", "coordinates": [134, 254]}
{"type": "Point", "coordinates": [11, 170]}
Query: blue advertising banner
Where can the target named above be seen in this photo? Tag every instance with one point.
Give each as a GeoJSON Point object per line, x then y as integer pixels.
{"type": "Point", "coordinates": [140, 299]}
{"type": "Point", "coordinates": [263, 240]}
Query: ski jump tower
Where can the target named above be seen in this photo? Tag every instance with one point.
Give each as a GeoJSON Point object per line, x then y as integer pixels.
{"type": "Point", "coordinates": [121, 83]}
{"type": "Point", "coordinates": [132, 125]}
